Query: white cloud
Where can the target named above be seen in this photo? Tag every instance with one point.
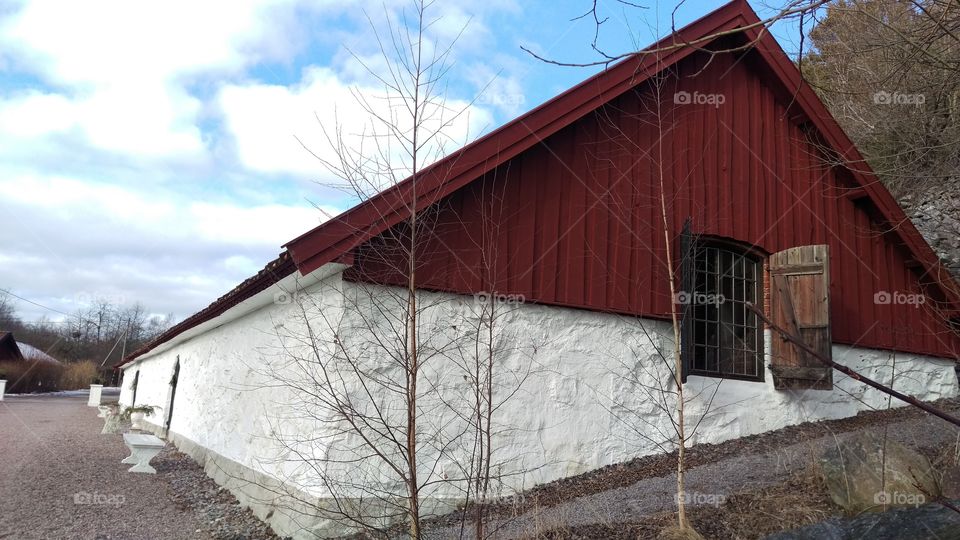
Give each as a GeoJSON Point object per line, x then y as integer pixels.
{"type": "Point", "coordinates": [66, 239]}
{"type": "Point", "coordinates": [108, 41]}
{"type": "Point", "coordinates": [119, 70]}
{"type": "Point", "coordinates": [36, 113]}
{"type": "Point", "coordinates": [137, 120]}
{"type": "Point", "coordinates": [83, 206]}
{"type": "Point", "coordinates": [272, 124]}
{"type": "Point", "coordinates": [117, 178]}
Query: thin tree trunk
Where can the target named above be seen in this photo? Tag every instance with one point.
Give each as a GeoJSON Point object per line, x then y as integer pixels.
{"type": "Point", "coordinates": [678, 365]}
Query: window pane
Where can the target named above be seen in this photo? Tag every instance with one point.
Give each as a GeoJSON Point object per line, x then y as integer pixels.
{"type": "Point", "coordinates": [727, 336]}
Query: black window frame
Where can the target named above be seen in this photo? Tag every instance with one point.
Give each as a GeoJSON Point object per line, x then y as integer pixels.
{"type": "Point", "coordinates": [695, 316]}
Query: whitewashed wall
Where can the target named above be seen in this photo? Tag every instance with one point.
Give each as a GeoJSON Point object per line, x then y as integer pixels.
{"type": "Point", "coordinates": [585, 403]}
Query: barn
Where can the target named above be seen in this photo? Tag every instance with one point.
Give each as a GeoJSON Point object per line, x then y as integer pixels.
{"type": "Point", "coordinates": [706, 158]}
{"type": "Point", "coordinates": [12, 350]}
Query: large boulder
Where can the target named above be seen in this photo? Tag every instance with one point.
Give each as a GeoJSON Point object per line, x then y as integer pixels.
{"type": "Point", "coordinates": [864, 473]}
{"type": "Point", "coordinates": [924, 523]}
{"type": "Point", "coordinates": [936, 214]}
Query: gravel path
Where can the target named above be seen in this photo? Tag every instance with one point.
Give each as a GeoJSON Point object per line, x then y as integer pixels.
{"type": "Point", "coordinates": [707, 483]}
{"type": "Point", "coordinates": [59, 478]}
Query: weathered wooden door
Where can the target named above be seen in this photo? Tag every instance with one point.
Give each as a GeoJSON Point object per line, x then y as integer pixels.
{"type": "Point", "coordinates": [800, 304]}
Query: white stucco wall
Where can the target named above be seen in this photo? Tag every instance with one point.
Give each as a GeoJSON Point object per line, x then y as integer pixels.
{"type": "Point", "coordinates": [585, 402]}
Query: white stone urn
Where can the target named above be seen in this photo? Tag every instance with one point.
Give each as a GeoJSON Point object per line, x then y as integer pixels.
{"type": "Point", "coordinates": [136, 420]}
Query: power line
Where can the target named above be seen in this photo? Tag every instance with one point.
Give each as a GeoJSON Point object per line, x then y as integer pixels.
{"type": "Point", "coordinates": [43, 321]}
{"type": "Point", "coordinates": [27, 300]}
{"type": "Point", "coordinates": [76, 316]}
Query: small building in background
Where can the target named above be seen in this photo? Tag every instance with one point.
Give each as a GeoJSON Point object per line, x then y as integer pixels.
{"type": "Point", "coordinates": [9, 352]}
{"type": "Point", "coordinates": [32, 353]}
{"type": "Point", "coordinates": [13, 351]}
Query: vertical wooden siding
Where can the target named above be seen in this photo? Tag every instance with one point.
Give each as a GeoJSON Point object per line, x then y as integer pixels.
{"type": "Point", "coordinates": [575, 221]}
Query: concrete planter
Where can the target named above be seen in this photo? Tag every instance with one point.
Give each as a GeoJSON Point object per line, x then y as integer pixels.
{"type": "Point", "coordinates": [111, 421]}
{"type": "Point", "coordinates": [136, 420]}
{"type": "Point", "coordinates": [95, 392]}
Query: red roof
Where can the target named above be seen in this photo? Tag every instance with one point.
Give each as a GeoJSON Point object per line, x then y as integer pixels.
{"type": "Point", "coordinates": [273, 272]}
{"type": "Point", "coordinates": [337, 238]}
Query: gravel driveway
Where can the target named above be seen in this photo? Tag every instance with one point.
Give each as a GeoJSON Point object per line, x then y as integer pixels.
{"type": "Point", "coordinates": [59, 478]}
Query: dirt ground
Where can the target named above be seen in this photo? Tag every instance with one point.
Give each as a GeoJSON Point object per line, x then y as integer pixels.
{"type": "Point", "coordinates": [747, 488]}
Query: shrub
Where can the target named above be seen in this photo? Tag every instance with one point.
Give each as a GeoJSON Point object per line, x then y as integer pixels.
{"type": "Point", "coordinates": [145, 409]}
{"type": "Point", "coordinates": [32, 376]}
{"type": "Point", "coordinates": [78, 375]}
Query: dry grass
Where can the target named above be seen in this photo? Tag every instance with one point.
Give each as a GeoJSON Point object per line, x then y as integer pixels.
{"type": "Point", "coordinates": [78, 375]}
{"type": "Point", "coordinates": [800, 500]}
{"type": "Point", "coordinates": [32, 376]}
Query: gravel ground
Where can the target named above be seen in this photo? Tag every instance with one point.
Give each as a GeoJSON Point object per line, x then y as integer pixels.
{"type": "Point", "coordinates": [219, 511]}
{"type": "Point", "coordinates": [60, 478]}
{"type": "Point", "coordinates": [739, 467]}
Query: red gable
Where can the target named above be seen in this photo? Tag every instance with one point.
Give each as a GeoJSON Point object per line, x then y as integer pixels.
{"type": "Point", "coordinates": [746, 170]}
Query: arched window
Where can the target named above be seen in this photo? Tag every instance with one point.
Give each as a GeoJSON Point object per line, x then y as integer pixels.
{"type": "Point", "coordinates": [723, 338]}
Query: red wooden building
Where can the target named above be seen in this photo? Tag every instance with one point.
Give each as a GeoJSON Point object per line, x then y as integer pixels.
{"type": "Point", "coordinates": [563, 207]}
{"type": "Point", "coordinates": [715, 163]}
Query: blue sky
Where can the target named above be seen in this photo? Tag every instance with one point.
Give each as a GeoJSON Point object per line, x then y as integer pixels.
{"type": "Point", "coordinates": [148, 151]}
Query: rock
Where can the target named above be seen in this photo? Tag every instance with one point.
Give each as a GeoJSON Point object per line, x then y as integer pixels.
{"type": "Point", "coordinates": [934, 211]}
{"type": "Point", "coordinates": [852, 471]}
{"type": "Point", "coordinates": [930, 521]}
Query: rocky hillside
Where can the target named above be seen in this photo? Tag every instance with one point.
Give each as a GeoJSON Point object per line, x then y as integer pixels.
{"type": "Point", "coordinates": [936, 213]}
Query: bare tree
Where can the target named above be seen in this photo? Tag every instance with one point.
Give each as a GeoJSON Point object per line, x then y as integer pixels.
{"type": "Point", "coordinates": [599, 13]}
{"type": "Point", "coordinates": [888, 72]}
{"type": "Point", "coordinates": [402, 384]}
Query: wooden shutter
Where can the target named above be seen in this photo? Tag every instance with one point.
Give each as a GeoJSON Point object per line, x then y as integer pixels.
{"type": "Point", "coordinates": [687, 284]}
{"type": "Point", "coordinates": [800, 304]}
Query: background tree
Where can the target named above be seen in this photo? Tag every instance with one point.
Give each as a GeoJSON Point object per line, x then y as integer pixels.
{"type": "Point", "coordinates": [889, 71]}
{"type": "Point", "coordinates": [99, 332]}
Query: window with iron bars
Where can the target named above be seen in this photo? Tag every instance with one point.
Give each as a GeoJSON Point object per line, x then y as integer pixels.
{"type": "Point", "coordinates": [726, 338]}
